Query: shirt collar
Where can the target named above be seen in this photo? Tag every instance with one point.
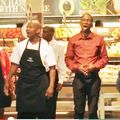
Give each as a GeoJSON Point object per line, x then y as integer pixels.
{"type": "Point", "coordinates": [52, 42]}
{"type": "Point", "coordinates": [90, 36]}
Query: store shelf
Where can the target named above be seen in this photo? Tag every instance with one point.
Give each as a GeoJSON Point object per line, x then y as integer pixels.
{"type": "Point", "coordinates": [79, 16]}
{"type": "Point", "coordinates": [12, 20]}
{"type": "Point", "coordinates": [76, 18]}
{"type": "Point", "coordinates": [114, 60]}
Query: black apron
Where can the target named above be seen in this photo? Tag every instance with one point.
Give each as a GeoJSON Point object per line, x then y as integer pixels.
{"type": "Point", "coordinates": [32, 83]}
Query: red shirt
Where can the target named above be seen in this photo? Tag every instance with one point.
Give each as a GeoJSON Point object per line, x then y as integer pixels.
{"type": "Point", "coordinates": [5, 63]}
{"type": "Point", "coordinates": [91, 50]}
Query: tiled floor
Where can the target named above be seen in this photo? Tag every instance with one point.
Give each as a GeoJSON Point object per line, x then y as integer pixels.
{"type": "Point", "coordinates": [65, 107]}
{"type": "Point", "coordinates": [64, 112]}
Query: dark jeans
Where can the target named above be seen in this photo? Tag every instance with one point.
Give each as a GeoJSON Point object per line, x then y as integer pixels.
{"type": "Point", "coordinates": [86, 88]}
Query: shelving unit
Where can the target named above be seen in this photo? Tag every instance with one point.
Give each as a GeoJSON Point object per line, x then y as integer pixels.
{"type": "Point", "coordinates": [103, 107]}
{"type": "Point", "coordinates": [109, 95]}
{"type": "Point", "coordinates": [114, 60]}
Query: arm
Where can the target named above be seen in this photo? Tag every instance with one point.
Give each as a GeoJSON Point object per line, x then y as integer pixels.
{"type": "Point", "coordinates": [102, 59]}
{"type": "Point", "coordinates": [14, 58]}
{"type": "Point", "coordinates": [69, 57]}
{"type": "Point", "coordinates": [5, 63]}
{"type": "Point", "coordinates": [51, 64]}
{"type": "Point", "coordinates": [61, 67]}
{"type": "Point", "coordinates": [52, 76]}
{"type": "Point", "coordinates": [102, 62]}
{"type": "Point", "coordinates": [8, 64]}
{"type": "Point", "coordinates": [9, 85]}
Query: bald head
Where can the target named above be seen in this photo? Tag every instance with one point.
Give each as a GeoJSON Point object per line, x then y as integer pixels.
{"type": "Point", "coordinates": [35, 23]}
{"type": "Point", "coordinates": [33, 28]}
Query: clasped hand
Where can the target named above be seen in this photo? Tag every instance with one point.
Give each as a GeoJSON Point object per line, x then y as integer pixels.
{"type": "Point", "coordinates": [87, 68]}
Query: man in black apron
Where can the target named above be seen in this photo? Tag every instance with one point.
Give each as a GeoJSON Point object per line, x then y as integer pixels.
{"type": "Point", "coordinates": [33, 87]}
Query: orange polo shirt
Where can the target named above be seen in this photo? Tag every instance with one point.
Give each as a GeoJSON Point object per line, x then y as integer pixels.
{"type": "Point", "coordinates": [91, 50]}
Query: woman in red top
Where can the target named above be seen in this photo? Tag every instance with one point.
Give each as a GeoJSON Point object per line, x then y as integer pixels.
{"type": "Point", "coordinates": [5, 101]}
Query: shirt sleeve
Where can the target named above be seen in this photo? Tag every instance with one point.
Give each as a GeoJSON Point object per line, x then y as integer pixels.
{"type": "Point", "coordinates": [50, 57]}
{"type": "Point", "coordinates": [61, 67]}
{"type": "Point", "coordinates": [69, 57]}
{"type": "Point", "coordinates": [15, 58]}
{"type": "Point", "coordinates": [17, 53]}
{"type": "Point", "coordinates": [103, 59]}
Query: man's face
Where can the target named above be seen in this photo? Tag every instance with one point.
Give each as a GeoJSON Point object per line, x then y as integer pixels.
{"type": "Point", "coordinates": [32, 30]}
{"type": "Point", "coordinates": [86, 22]}
{"type": "Point", "coordinates": [47, 34]}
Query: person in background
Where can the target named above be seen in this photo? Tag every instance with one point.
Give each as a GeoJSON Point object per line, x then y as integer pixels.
{"type": "Point", "coordinates": [86, 55]}
{"type": "Point", "coordinates": [5, 101]}
{"type": "Point", "coordinates": [98, 23]}
{"type": "Point", "coordinates": [34, 56]}
{"type": "Point", "coordinates": [118, 82]}
{"type": "Point", "coordinates": [48, 34]}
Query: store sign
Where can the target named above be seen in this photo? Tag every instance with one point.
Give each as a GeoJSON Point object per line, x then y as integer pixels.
{"type": "Point", "coordinates": [49, 7]}
{"type": "Point", "coordinates": [78, 7]}
{"type": "Point", "coordinates": [12, 8]}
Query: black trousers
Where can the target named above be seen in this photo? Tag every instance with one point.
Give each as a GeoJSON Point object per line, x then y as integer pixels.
{"type": "Point", "coordinates": [51, 106]}
{"type": "Point", "coordinates": [52, 102]}
{"type": "Point", "coordinates": [86, 88]}
{"type": "Point", "coordinates": [31, 115]}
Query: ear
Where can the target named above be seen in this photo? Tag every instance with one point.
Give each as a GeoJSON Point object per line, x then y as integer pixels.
{"type": "Point", "coordinates": [39, 30]}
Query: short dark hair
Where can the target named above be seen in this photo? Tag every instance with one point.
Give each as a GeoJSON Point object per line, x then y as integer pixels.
{"type": "Point", "coordinates": [98, 23]}
{"type": "Point", "coordinates": [51, 29]}
{"type": "Point", "coordinates": [88, 15]}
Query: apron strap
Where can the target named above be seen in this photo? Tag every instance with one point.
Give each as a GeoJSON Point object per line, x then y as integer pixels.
{"type": "Point", "coordinates": [38, 45]}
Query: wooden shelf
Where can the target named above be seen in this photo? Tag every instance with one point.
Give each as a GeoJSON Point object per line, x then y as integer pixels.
{"type": "Point", "coordinates": [8, 42]}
